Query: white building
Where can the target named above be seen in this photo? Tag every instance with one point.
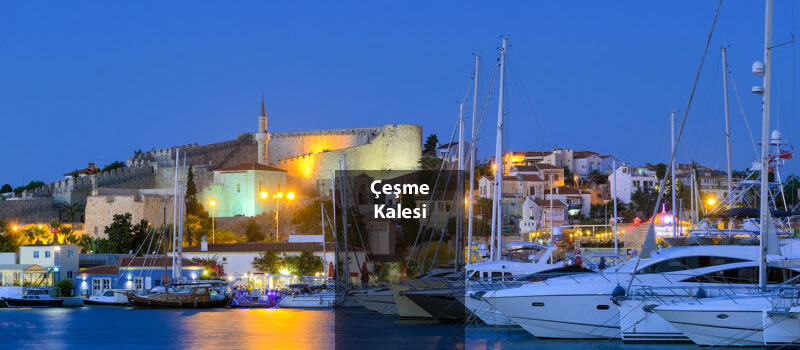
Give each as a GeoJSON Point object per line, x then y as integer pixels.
{"type": "Point", "coordinates": [536, 214]}
{"type": "Point", "coordinates": [629, 180]}
{"type": "Point", "coordinates": [579, 201]}
{"type": "Point", "coordinates": [237, 258]}
{"type": "Point", "coordinates": [60, 260]}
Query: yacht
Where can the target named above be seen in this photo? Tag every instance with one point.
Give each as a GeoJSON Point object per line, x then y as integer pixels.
{"type": "Point", "coordinates": [310, 295]}
{"type": "Point", "coordinates": [583, 306]}
{"type": "Point", "coordinates": [379, 299]}
{"type": "Point", "coordinates": [109, 297]}
{"type": "Point", "coordinates": [36, 297]}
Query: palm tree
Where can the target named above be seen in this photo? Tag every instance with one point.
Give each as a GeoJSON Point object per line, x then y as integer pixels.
{"type": "Point", "coordinates": [70, 210]}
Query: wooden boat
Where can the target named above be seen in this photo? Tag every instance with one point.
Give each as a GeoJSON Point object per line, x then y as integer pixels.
{"type": "Point", "coordinates": [195, 297]}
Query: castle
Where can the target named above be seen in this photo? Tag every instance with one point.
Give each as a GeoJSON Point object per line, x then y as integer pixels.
{"type": "Point", "coordinates": [308, 157]}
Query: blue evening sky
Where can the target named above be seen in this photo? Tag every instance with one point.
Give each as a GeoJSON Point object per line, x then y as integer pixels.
{"type": "Point", "coordinates": [93, 81]}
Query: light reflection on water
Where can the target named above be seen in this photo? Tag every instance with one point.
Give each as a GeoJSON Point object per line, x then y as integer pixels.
{"type": "Point", "coordinates": [126, 328]}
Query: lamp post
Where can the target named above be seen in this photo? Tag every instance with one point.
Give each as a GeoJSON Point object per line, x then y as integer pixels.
{"type": "Point", "coordinates": [278, 197]}
{"type": "Point", "coordinates": [211, 204]}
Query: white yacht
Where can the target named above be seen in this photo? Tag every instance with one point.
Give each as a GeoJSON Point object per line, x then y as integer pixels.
{"type": "Point", "coordinates": [310, 296]}
{"type": "Point", "coordinates": [582, 306]}
{"type": "Point", "coordinates": [109, 297]}
{"type": "Point", "coordinates": [379, 299]}
{"type": "Point", "coordinates": [484, 277]}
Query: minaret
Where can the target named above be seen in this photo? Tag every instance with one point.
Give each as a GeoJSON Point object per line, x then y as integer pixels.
{"type": "Point", "coordinates": [261, 135]}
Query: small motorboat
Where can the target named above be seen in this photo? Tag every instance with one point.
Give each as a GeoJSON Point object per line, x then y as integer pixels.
{"type": "Point", "coordinates": [109, 298]}
{"type": "Point", "coordinates": [36, 297]}
{"type": "Point", "coordinates": [311, 296]}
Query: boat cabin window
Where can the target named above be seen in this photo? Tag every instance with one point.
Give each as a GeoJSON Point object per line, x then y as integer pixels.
{"type": "Point", "coordinates": [746, 275]}
{"type": "Point", "coordinates": [108, 293]}
{"type": "Point", "coordinates": [688, 263]}
{"type": "Point", "coordinates": [200, 291]}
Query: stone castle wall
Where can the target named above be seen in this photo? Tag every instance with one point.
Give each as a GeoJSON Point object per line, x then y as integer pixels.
{"type": "Point", "coordinates": [28, 210]}
{"type": "Point", "coordinates": [396, 147]}
{"type": "Point", "coordinates": [284, 145]}
{"type": "Point", "coordinates": [243, 149]}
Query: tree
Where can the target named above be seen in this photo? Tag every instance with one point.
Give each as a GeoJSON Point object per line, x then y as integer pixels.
{"type": "Point", "coordinates": [643, 203]}
{"type": "Point", "coordinates": [430, 143]}
{"type": "Point", "coordinates": [304, 264]}
{"type": "Point", "coordinates": [568, 179]}
{"type": "Point", "coordinates": [123, 237]}
{"type": "Point", "coordinates": [224, 236]}
{"type": "Point", "coordinates": [661, 170]}
{"type": "Point", "coordinates": [253, 232]}
{"type": "Point", "coordinates": [309, 217]}
{"type": "Point", "coordinates": [70, 210]}
{"type": "Point", "coordinates": [114, 165]}
{"type": "Point", "coordinates": [30, 186]}
{"type": "Point", "coordinates": [6, 188]}
{"type": "Point", "coordinates": [268, 262]}
{"type": "Point", "coordinates": [193, 206]}
{"type": "Point", "coordinates": [430, 163]}
{"type": "Point", "coordinates": [212, 268]}
{"type": "Point", "coordinates": [65, 287]}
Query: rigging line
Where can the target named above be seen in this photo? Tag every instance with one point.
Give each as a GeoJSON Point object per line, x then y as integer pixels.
{"type": "Point", "coordinates": [533, 117]}
{"type": "Point", "coordinates": [647, 243]}
{"type": "Point", "coordinates": [741, 109]}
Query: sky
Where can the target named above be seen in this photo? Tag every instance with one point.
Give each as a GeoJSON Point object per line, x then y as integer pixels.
{"type": "Point", "coordinates": [91, 81]}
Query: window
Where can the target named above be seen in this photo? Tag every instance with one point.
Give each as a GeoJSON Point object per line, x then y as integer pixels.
{"type": "Point", "coordinates": [106, 283]}
{"type": "Point", "coordinates": [745, 275]}
{"type": "Point", "coordinates": [138, 283]}
{"type": "Point", "coordinates": [688, 263]}
{"type": "Point", "coordinates": [70, 253]}
{"type": "Point", "coordinates": [238, 188]}
{"type": "Point", "coordinates": [69, 274]}
{"type": "Point", "coordinates": [36, 254]}
{"type": "Point", "coordinates": [97, 288]}
{"type": "Point", "coordinates": [46, 253]}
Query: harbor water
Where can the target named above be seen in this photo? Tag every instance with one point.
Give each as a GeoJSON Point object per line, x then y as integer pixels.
{"type": "Point", "coordinates": [128, 328]}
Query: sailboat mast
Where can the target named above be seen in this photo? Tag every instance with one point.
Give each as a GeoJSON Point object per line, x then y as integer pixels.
{"type": "Point", "coordinates": [342, 179]}
{"type": "Point", "coordinates": [182, 194]}
{"type": "Point", "coordinates": [614, 190]}
{"type": "Point", "coordinates": [472, 159]}
{"type": "Point", "coordinates": [672, 167]}
{"type": "Point", "coordinates": [498, 173]}
{"type": "Point", "coordinates": [175, 208]}
{"type": "Point", "coordinates": [460, 191]}
{"type": "Point", "coordinates": [727, 116]}
{"type": "Point", "coordinates": [335, 240]}
{"type": "Point", "coordinates": [322, 224]}
{"type": "Point", "coordinates": [765, 141]}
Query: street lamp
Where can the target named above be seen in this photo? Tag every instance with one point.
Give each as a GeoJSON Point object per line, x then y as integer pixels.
{"type": "Point", "coordinates": [278, 196]}
{"type": "Point", "coordinates": [211, 204]}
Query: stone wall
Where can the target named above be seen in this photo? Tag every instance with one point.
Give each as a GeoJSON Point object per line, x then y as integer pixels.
{"type": "Point", "coordinates": [243, 149]}
{"type": "Point", "coordinates": [396, 147]}
{"type": "Point", "coordinates": [100, 210]}
{"type": "Point", "coordinates": [30, 210]}
{"type": "Point", "coordinates": [284, 145]}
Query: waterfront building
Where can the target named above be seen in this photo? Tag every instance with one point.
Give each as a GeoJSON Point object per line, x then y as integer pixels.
{"type": "Point", "coordinates": [237, 258]}
{"type": "Point", "coordinates": [135, 273]}
{"type": "Point", "coordinates": [579, 201]}
{"type": "Point", "coordinates": [60, 260]}
{"type": "Point", "coordinates": [245, 190]}
{"type": "Point", "coordinates": [581, 163]}
{"type": "Point", "coordinates": [536, 214]}
{"type": "Point", "coordinates": [23, 274]}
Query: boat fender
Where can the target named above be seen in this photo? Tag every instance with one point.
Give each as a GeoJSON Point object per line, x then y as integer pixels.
{"type": "Point", "coordinates": [478, 295]}
{"type": "Point", "coordinates": [616, 294]}
{"type": "Point", "coordinates": [701, 293]}
{"type": "Point", "coordinates": [649, 308]}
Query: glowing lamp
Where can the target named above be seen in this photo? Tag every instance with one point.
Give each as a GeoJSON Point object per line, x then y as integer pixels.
{"type": "Point", "coordinates": [263, 195]}
{"type": "Point", "coordinates": [284, 271]}
{"type": "Point", "coordinates": [280, 195]}
{"type": "Point", "coordinates": [14, 228]}
{"type": "Point", "coordinates": [212, 203]}
{"type": "Point", "coordinates": [711, 201]}
{"type": "Point", "coordinates": [290, 195]}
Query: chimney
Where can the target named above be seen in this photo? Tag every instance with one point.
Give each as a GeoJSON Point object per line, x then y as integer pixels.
{"type": "Point", "coordinates": [204, 244]}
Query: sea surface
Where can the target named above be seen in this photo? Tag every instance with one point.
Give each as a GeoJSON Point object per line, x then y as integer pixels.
{"type": "Point", "coordinates": [127, 328]}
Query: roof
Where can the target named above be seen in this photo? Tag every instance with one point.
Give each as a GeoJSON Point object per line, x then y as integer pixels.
{"type": "Point", "coordinates": [251, 166]}
{"type": "Point", "coordinates": [21, 267]}
{"type": "Point", "coordinates": [92, 169]}
{"type": "Point", "coordinates": [545, 166]}
{"type": "Point", "coordinates": [525, 168]}
{"type": "Point", "coordinates": [100, 270]}
{"type": "Point", "coordinates": [524, 178]}
{"type": "Point", "coordinates": [583, 154]}
{"type": "Point", "coordinates": [538, 153]}
{"type": "Point", "coordinates": [150, 261]}
{"type": "Point", "coordinates": [260, 247]}
{"type": "Point", "coordinates": [557, 203]}
{"type": "Point", "coordinates": [565, 190]}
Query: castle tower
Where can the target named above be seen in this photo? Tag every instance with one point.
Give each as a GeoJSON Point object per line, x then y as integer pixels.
{"type": "Point", "coordinates": [262, 137]}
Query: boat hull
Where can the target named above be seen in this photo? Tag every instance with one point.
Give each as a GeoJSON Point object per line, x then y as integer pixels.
{"type": "Point", "coordinates": [485, 311]}
{"type": "Point", "coordinates": [320, 301]}
{"type": "Point", "coordinates": [718, 327]}
{"type": "Point", "coordinates": [639, 324]}
{"type": "Point", "coordinates": [405, 306]}
{"type": "Point", "coordinates": [562, 316]}
{"type": "Point", "coordinates": [381, 301]}
{"type": "Point", "coordinates": [781, 331]}
{"type": "Point", "coordinates": [441, 304]}
{"type": "Point", "coordinates": [19, 302]}
{"type": "Point", "coordinates": [176, 301]}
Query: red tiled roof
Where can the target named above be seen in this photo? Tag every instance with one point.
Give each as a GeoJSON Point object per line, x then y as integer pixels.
{"type": "Point", "coordinates": [251, 166]}
{"type": "Point", "coordinates": [260, 247]}
{"type": "Point", "coordinates": [545, 166]}
{"type": "Point", "coordinates": [528, 178]}
{"type": "Point", "coordinates": [100, 270]}
{"type": "Point", "coordinates": [150, 261]}
{"type": "Point", "coordinates": [583, 154]}
{"type": "Point", "coordinates": [557, 203]}
{"type": "Point", "coordinates": [564, 190]}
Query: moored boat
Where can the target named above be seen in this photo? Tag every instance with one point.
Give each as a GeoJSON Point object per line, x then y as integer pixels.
{"type": "Point", "coordinates": [36, 297]}
{"type": "Point", "coordinates": [191, 296]}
